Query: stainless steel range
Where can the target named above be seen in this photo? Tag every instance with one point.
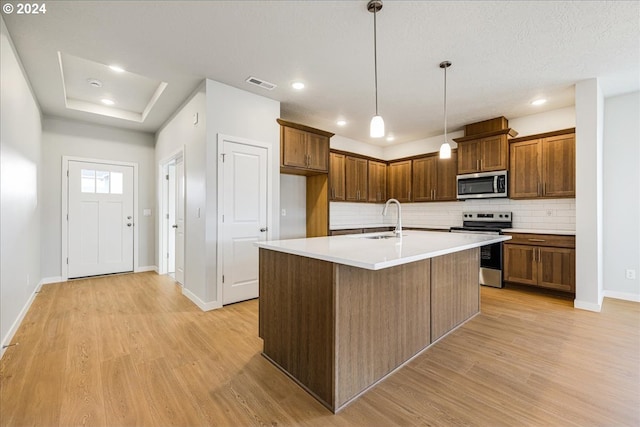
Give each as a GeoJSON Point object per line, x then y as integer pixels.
{"type": "Point", "coordinates": [490, 255]}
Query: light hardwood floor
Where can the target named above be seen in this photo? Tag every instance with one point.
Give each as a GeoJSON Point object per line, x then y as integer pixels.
{"type": "Point", "coordinates": [131, 350]}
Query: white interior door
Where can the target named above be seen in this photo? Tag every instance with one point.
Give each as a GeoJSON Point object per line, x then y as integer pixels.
{"type": "Point", "coordinates": [244, 222]}
{"type": "Point", "coordinates": [171, 216]}
{"type": "Point", "coordinates": [179, 221]}
{"type": "Point", "coordinates": [100, 219]}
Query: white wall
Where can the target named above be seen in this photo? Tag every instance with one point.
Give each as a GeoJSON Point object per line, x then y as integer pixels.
{"type": "Point", "coordinates": [342, 143]}
{"type": "Point", "coordinates": [421, 146]}
{"type": "Point", "coordinates": [235, 112]}
{"type": "Point", "coordinates": [20, 178]}
{"type": "Point", "coordinates": [63, 137]}
{"type": "Point", "coordinates": [293, 196]}
{"type": "Point", "coordinates": [180, 133]}
{"type": "Point", "coordinates": [621, 189]}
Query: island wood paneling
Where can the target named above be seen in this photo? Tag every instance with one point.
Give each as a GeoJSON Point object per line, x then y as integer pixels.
{"type": "Point", "coordinates": [528, 359]}
{"type": "Point", "coordinates": [382, 320]}
{"type": "Point", "coordinates": [455, 290]}
{"type": "Point", "coordinates": [296, 318]}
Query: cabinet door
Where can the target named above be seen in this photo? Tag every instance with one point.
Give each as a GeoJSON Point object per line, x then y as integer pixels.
{"type": "Point", "coordinates": [557, 268]}
{"type": "Point", "coordinates": [294, 147]}
{"type": "Point", "coordinates": [399, 174]}
{"type": "Point", "coordinates": [493, 153]}
{"type": "Point", "coordinates": [356, 179]}
{"type": "Point", "coordinates": [336, 177]}
{"type": "Point", "coordinates": [525, 175]}
{"type": "Point", "coordinates": [520, 264]}
{"type": "Point", "coordinates": [469, 157]}
{"type": "Point", "coordinates": [446, 172]}
{"type": "Point", "coordinates": [559, 166]}
{"type": "Point", "coordinates": [377, 181]}
{"type": "Point", "coordinates": [424, 178]}
{"type": "Point", "coordinates": [317, 152]}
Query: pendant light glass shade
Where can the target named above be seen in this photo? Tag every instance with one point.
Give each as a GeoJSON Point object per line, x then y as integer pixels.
{"type": "Point", "coordinates": [376, 130]}
{"type": "Point", "coordinates": [445, 148]}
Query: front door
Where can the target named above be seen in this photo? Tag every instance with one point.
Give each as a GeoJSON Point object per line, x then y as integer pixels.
{"type": "Point", "coordinates": [244, 218]}
{"type": "Point", "coordinates": [100, 219]}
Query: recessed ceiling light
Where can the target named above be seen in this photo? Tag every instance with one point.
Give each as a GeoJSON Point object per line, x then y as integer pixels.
{"type": "Point", "coordinates": [106, 101]}
{"type": "Point", "coordinates": [341, 122]}
{"type": "Point", "coordinates": [297, 85]}
{"type": "Point", "coordinates": [117, 68]}
{"type": "Point", "coordinates": [538, 102]}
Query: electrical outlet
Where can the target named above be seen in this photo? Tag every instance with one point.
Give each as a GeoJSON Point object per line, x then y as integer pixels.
{"type": "Point", "coordinates": [550, 212]}
{"type": "Point", "coordinates": [283, 212]}
{"type": "Point", "coordinates": [630, 274]}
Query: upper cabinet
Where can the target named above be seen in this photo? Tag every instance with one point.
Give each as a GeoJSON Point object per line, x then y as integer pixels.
{"type": "Point", "coordinates": [399, 180]}
{"type": "Point", "coordinates": [484, 147]}
{"type": "Point", "coordinates": [336, 176]}
{"type": "Point", "coordinates": [434, 179]}
{"type": "Point", "coordinates": [377, 181]}
{"type": "Point", "coordinates": [303, 150]}
{"type": "Point", "coordinates": [543, 165]}
{"type": "Point", "coordinates": [356, 183]}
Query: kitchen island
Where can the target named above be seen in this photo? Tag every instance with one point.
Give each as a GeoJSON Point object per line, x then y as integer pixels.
{"type": "Point", "coordinates": [338, 314]}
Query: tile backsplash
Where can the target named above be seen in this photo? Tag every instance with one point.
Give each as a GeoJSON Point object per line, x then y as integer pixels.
{"type": "Point", "coordinates": [540, 214]}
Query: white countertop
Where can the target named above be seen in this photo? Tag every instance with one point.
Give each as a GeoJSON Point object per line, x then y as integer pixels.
{"type": "Point", "coordinates": [375, 254]}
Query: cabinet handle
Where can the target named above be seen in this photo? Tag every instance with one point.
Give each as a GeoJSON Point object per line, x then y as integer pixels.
{"type": "Point", "coordinates": [537, 240]}
{"type": "Point", "coordinates": [478, 164]}
{"type": "Point", "coordinates": [544, 189]}
{"type": "Point", "coordinates": [538, 254]}
{"type": "Point", "coordinates": [434, 194]}
{"type": "Point", "coordinates": [539, 187]}
{"type": "Point", "coordinates": [409, 195]}
{"type": "Point", "coordinates": [533, 255]}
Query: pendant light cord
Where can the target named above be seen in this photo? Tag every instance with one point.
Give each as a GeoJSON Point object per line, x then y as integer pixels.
{"type": "Point", "coordinates": [375, 54]}
{"type": "Point", "coordinates": [445, 104]}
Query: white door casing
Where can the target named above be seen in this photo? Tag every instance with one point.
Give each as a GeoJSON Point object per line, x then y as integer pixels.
{"type": "Point", "coordinates": [243, 215]}
{"type": "Point", "coordinates": [179, 221]}
{"type": "Point", "coordinates": [100, 218]}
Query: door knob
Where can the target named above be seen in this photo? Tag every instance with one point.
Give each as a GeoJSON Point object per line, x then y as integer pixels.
{"type": "Point", "coordinates": [262, 230]}
{"type": "Point", "coordinates": [129, 224]}
{"type": "Point", "coordinates": [129, 217]}
{"type": "Point", "coordinates": [174, 226]}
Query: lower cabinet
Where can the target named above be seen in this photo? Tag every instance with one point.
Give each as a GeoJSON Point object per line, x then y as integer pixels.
{"type": "Point", "coordinates": [542, 260]}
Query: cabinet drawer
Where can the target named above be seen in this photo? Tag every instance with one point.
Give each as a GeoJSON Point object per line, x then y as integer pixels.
{"type": "Point", "coordinates": [346, 231]}
{"type": "Point", "coordinates": [550, 240]}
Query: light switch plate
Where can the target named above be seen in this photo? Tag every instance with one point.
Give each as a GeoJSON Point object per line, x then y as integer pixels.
{"type": "Point", "coordinates": [146, 212]}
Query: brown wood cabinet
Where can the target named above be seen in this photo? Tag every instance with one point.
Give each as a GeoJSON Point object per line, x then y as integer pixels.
{"type": "Point", "coordinates": [399, 179]}
{"type": "Point", "coordinates": [434, 179]}
{"type": "Point", "coordinates": [377, 181]}
{"type": "Point", "coordinates": [303, 150]}
{"type": "Point", "coordinates": [484, 154]}
{"type": "Point", "coordinates": [337, 176]}
{"type": "Point", "coordinates": [543, 165]}
{"type": "Point", "coordinates": [542, 260]}
{"type": "Point", "coordinates": [356, 180]}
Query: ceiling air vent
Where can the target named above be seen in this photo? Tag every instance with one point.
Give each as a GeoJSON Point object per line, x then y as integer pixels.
{"type": "Point", "coordinates": [263, 84]}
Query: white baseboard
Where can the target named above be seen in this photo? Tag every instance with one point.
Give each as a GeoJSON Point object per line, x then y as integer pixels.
{"type": "Point", "coordinates": [621, 295]}
{"type": "Point", "coordinates": [585, 305]}
{"type": "Point", "coordinates": [146, 268]}
{"type": "Point", "coordinates": [49, 280]}
{"type": "Point", "coordinates": [204, 306]}
{"type": "Point", "coordinates": [6, 340]}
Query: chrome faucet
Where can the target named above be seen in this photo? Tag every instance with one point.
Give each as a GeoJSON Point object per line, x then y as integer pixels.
{"type": "Point", "coordinates": [398, 230]}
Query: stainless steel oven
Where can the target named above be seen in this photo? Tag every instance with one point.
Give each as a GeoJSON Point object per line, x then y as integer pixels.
{"type": "Point", "coordinates": [490, 255]}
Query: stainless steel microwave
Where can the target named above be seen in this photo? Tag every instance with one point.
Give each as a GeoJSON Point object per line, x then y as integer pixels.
{"type": "Point", "coordinates": [482, 185]}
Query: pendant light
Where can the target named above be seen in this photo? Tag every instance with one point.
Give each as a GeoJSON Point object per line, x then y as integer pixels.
{"type": "Point", "coordinates": [376, 129]}
{"type": "Point", "coordinates": [445, 148]}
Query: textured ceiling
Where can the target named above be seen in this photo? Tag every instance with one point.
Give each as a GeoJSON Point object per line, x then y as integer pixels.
{"type": "Point", "coordinates": [504, 55]}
